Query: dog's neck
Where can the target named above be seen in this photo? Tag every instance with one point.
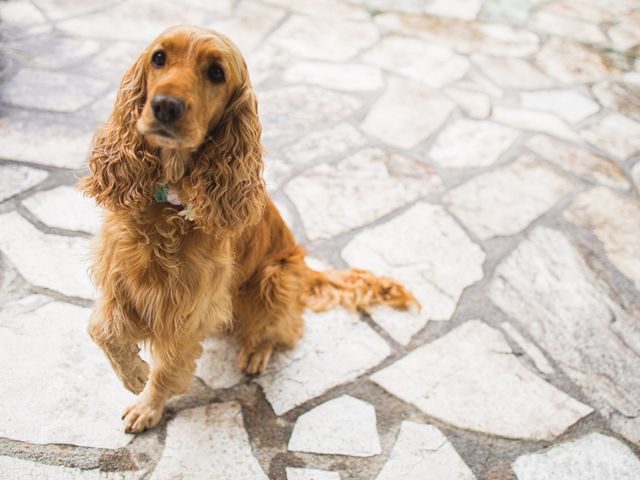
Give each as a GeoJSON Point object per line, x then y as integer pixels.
{"type": "Point", "coordinates": [174, 164]}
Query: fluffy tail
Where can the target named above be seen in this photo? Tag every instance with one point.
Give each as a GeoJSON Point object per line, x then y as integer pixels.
{"type": "Point", "coordinates": [355, 290]}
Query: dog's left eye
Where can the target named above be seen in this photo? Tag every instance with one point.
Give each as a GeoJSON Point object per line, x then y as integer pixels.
{"type": "Point", "coordinates": [215, 74]}
{"type": "Point", "coordinates": [159, 58]}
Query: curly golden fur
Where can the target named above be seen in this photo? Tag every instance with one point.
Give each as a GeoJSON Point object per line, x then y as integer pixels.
{"type": "Point", "coordinates": [170, 281]}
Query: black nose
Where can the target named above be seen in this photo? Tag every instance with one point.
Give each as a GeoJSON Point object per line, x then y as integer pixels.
{"type": "Point", "coordinates": [167, 108]}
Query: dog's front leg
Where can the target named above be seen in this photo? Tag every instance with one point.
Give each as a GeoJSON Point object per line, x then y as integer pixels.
{"type": "Point", "coordinates": [172, 369]}
{"type": "Point", "coordinates": [107, 330]}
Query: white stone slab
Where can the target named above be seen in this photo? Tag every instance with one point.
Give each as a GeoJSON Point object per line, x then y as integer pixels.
{"type": "Point", "coordinates": [471, 379]}
{"type": "Point", "coordinates": [506, 200]}
{"type": "Point", "coordinates": [15, 179]}
{"type": "Point", "coordinates": [567, 104]}
{"type": "Point", "coordinates": [340, 76]}
{"type": "Point", "coordinates": [621, 94]}
{"type": "Point", "coordinates": [57, 386]}
{"type": "Point", "coordinates": [615, 220]}
{"type": "Point", "coordinates": [393, 117]}
{"type": "Point", "coordinates": [336, 348]}
{"type": "Point", "coordinates": [592, 457]}
{"type": "Point", "coordinates": [392, 181]}
{"type": "Point", "coordinates": [562, 26]}
{"type": "Point", "coordinates": [615, 134]}
{"type": "Point", "coordinates": [342, 426]}
{"type": "Point", "coordinates": [324, 39]}
{"type": "Point", "coordinates": [421, 452]}
{"type": "Point", "coordinates": [529, 348]}
{"type": "Point", "coordinates": [208, 442]}
{"type": "Point", "coordinates": [401, 325]}
{"type": "Point", "coordinates": [462, 9]}
{"type": "Point", "coordinates": [332, 142]}
{"type": "Point", "coordinates": [65, 207]}
{"type": "Point", "coordinates": [426, 250]}
{"type": "Point", "coordinates": [218, 365]}
{"type": "Point", "coordinates": [624, 35]}
{"type": "Point", "coordinates": [47, 260]}
{"type": "Point", "coordinates": [310, 474]}
{"type": "Point", "coordinates": [579, 161]}
{"type": "Point", "coordinates": [19, 469]}
{"type": "Point", "coordinates": [433, 65]}
{"type": "Point", "coordinates": [471, 143]}
{"type": "Point", "coordinates": [513, 73]}
{"type": "Point", "coordinates": [534, 121]}
{"type": "Point", "coordinates": [473, 103]}
{"type": "Point", "coordinates": [324, 8]}
{"type": "Point", "coordinates": [548, 289]}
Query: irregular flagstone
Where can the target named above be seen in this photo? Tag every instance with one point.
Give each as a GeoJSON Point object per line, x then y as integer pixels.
{"type": "Point", "coordinates": [208, 442]}
{"type": "Point", "coordinates": [567, 104]}
{"type": "Point", "coordinates": [635, 174]}
{"type": "Point", "coordinates": [506, 200]}
{"type": "Point", "coordinates": [615, 134]}
{"type": "Point", "coordinates": [563, 26]}
{"type": "Point", "coordinates": [587, 11]}
{"type": "Point", "coordinates": [55, 52]}
{"type": "Point", "coordinates": [462, 9]}
{"type": "Point", "coordinates": [324, 39]}
{"type": "Point", "coordinates": [218, 365]}
{"type": "Point", "coordinates": [21, 14]}
{"type": "Point", "coordinates": [324, 8]}
{"type": "Point", "coordinates": [426, 250]}
{"type": "Point", "coordinates": [621, 94]}
{"type": "Point", "coordinates": [512, 72]}
{"type": "Point", "coordinates": [392, 181]}
{"type": "Point", "coordinates": [400, 325]}
{"type": "Point", "coordinates": [475, 362]}
{"type": "Point", "coordinates": [514, 12]}
{"type": "Point", "coordinates": [54, 91]}
{"type": "Point", "coordinates": [465, 37]}
{"type": "Point", "coordinates": [65, 207]}
{"type": "Point", "coordinates": [392, 118]}
{"type": "Point", "coordinates": [59, 9]}
{"type": "Point", "coordinates": [61, 143]}
{"type": "Point", "coordinates": [592, 457]}
{"type": "Point", "coordinates": [421, 452]}
{"type": "Point", "coordinates": [310, 474]}
{"type": "Point", "coordinates": [79, 399]}
{"type": "Point", "coordinates": [579, 161]}
{"type": "Point", "coordinates": [18, 469]}
{"type": "Point", "coordinates": [571, 62]}
{"type": "Point", "coordinates": [341, 76]}
{"type": "Point", "coordinates": [46, 260]}
{"type": "Point", "coordinates": [15, 179]}
{"type": "Point", "coordinates": [113, 61]}
{"type": "Point", "coordinates": [529, 348]}
{"type": "Point", "coordinates": [142, 20]}
{"type": "Point", "coordinates": [483, 144]}
{"type": "Point", "coordinates": [473, 103]}
{"type": "Point", "coordinates": [624, 35]}
{"type": "Point", "coordinates": [433, 65]}
{"type": "Point", "coordinates": [342, 426]}
{"type": "Point", "coordinates": [265, 62]}
{"type": "Point", "coordinates": [332, 142]}
{"type": "Point", "coordinates": [549, 290]}
{"type": "Point", "coordinates": [249, 25]}
{"type": "Point", "coordinates": [615, 220]}
{"type": "Point", "coordinates": [286, 112]}
{"type": "Point", "coordinates": [276, 172]}
{"type": "Point", "coordinates": [534, 121]}
{"type": "Point", "coordinates": [336, 348]}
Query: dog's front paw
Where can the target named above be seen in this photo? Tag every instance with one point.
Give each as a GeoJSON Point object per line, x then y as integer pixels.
{"type": "Point", "coordinates": [136, 378]}
{"type": "Point", "coordinates": [141, 416]}
{"type": "Point", "coordinates": [254, 361]}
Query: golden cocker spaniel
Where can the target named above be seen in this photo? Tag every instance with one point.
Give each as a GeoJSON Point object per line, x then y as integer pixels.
{"type": "Point", "coordinates": [191, 244]}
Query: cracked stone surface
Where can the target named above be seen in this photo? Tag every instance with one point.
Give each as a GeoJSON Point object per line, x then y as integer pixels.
{"type": "Point", "coordinates": [547, 287]}
{"type": "Point", "coordinates": [506, 200]}
{"type": "Point", "coordinates": [397, 179]}
{"type": "Point", "coordinates": [441, 377]}
{"type": "Point", "coordinates": [342, 426]}
{"type": "Point", "coordinates": [398, 249]}
{"type": "Point", "coordinates": [591, 457]}
{"type": "Point", "coordinates": [208, 442]}
{"type": "Point", "coordinates": [485, 153]}
{"type": "Point", "coordinates": [422, 451]}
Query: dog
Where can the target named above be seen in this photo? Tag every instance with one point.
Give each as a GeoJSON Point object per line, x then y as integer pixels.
{"type": "Point", "coordinates": [191, 244]}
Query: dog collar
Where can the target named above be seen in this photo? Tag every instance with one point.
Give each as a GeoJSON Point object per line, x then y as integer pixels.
{"type": "Point", "coordinates": [164, 193]}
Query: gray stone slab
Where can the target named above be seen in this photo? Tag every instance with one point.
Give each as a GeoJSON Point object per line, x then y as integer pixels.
{"type": "Point", "coordinates": [15, 179]}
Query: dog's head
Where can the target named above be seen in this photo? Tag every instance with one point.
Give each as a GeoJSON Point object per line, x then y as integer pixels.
{"type": "Point", "coordinates": [185, 114]}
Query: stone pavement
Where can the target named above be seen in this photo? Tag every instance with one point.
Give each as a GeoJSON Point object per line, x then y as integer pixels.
{"type": "Point", "coordinates": [486, 153]}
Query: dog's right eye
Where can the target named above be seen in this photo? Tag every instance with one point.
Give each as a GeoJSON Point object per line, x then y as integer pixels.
{"type": "Point", "coordinates": [158, 59]}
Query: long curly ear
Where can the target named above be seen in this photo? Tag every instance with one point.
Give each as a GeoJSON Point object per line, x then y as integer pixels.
{"type": "Point", "coordinates": [226, 189]}
{"type": "Point", "coordinates": [123, 166]}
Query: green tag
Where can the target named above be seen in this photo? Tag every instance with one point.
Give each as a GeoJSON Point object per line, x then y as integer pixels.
{"type": "Point", "coordinates": [161, 193]}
